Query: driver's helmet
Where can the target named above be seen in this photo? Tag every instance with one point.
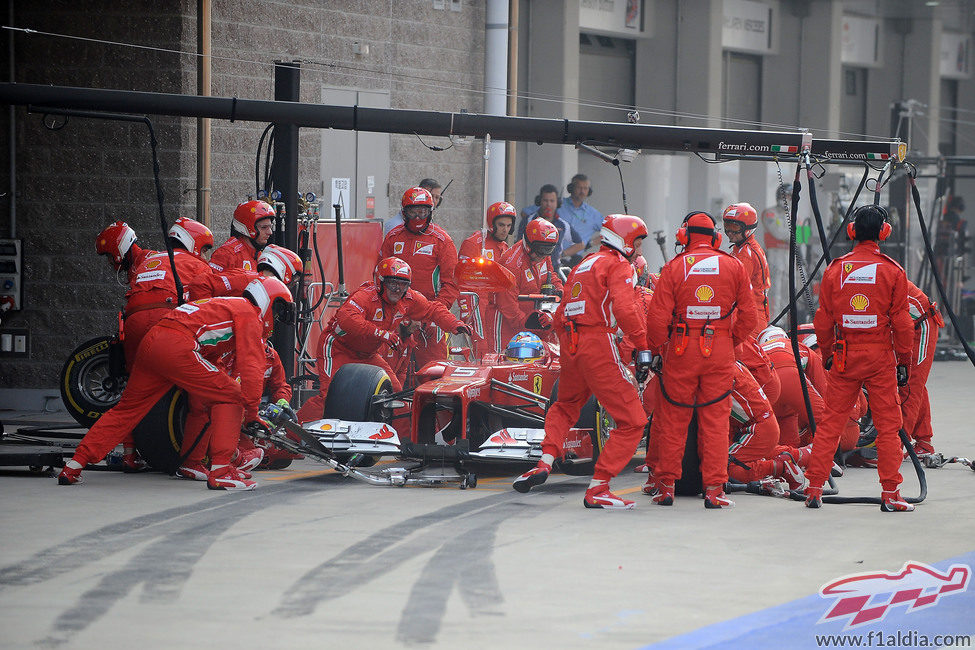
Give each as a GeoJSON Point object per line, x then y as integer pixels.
{"type": "Point", "coordinates": [525, 346]}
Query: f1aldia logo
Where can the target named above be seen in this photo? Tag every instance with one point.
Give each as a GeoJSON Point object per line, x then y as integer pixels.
{"type": "Point", "coordinates": [868, 597]}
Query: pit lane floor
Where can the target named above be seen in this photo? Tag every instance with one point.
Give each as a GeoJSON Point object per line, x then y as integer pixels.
{"type": "Point", "coordinates": [311, 558]}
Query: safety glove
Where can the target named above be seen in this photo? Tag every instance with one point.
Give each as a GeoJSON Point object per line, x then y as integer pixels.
{"type": "Point", "coordinates": [391, 338]}
{"type": "Point", "coordinates": [642, 362]}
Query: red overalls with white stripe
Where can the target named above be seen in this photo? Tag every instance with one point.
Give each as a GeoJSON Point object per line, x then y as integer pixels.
{"type": "Point", "coordinates": [699, 287]}
{"type": "Point", "coordinates": [915, 405]}
{"type": "Point", "coordinates": [599, 299]}
{"type": "Point", "coordinates": [863, 302]}
{"type": "Point", "coordinates": [178, 350]}
{"type": "Point", "coordinates": [350, 336]}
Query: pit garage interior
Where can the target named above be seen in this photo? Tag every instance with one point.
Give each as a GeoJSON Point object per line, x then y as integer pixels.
{"type": "Point", "coordinates": [312, 554]}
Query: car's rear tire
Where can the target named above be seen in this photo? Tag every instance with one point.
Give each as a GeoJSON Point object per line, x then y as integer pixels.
{"type": "Point", "coordinates": [690, 482]}
{"type": "Point", "coordinates": [88, 387]}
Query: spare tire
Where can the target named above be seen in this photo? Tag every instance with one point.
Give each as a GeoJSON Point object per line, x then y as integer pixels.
{"type": "Point", "coordinates": [351, 391]}
{"type": "Point", "coordinates": [159, 436]}
{"type": "Point", "coordinates": [88, 386]}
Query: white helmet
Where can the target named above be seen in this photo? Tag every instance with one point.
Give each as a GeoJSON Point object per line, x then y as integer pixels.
{"type": "Point", "coordinates": [771, 332]}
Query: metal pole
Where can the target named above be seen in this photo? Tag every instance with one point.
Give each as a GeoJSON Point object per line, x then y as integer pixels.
{"type": "Point", "coordinates": [203, 123]}
{"type": "Point", "coordinates": [284, 175]}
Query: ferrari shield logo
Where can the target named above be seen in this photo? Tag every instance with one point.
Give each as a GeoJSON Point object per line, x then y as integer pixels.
{"type": "Point", "coordinates": [847, 267]}
{"type": "Point", "coordinates": [537, 384]}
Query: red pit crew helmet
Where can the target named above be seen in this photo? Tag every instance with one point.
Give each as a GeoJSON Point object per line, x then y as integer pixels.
{"type": "Point", "coordinates": [193, 235]}
{"type": "Point", "coordinates": [620, 231]}
{"type": "Point", "coordinates": [115, 241]}
{"type": "Point", "coordinates": [283, 262]}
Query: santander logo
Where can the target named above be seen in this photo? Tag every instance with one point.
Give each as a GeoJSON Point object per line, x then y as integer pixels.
{"type": "Point", "coordinates": [868, 597]}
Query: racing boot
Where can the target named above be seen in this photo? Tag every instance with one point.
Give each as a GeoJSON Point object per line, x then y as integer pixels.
{"type": "Point", "coordinates": [786, 467]}
{"type": "Point", "coordinates": [599, 496]}
{"type": "Point", "coordinates": [814, 497]}
{"type": "Point", "coordinates": [193, 471]}
{"type": "Point", "coordinates": [132, 462]}
{"type": "Point", "coordinates": [535, 476]}
{"type": "Point", "coordinates": [652, 486]}
{"type": "Point", "coordinates": [715, 498]}
{"type": "Point", "coordinates": [247, 459]}
{"type": "Point", "coordinates": [665, 494]}
{"type": "Point", "coordinates": [226, 477]}
{"type": "Point", "coordinates": [892, 501]}
{"type": "Point", "coordinates": [641, 469]}
{"type": "Point", "coordinates": [70, 473]}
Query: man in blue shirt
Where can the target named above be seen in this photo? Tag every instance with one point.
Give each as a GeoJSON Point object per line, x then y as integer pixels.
{"type": "Point", "coordinates": [584, 219]}
{"type": "Point", "coordinates": [548, 202]}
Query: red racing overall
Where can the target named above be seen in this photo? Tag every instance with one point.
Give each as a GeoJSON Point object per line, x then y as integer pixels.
{"type": "Point", "coordinates": [433, 257]}
{"type": "Point", "coordinates": [599, 299]}
{"type": "Point", "coordinates": [752, 257]}
{"type": "Point", "coordinates": [862, 306]}
{"type": "Point", "coordinates": [915, 405]}
{"type": "Point", "coordinates": [351, 336]}
{"type": "Point", "coordinates": [235, 253]}
{"type": "Point", "coordinates": [530, 277]}
{"type": "Point", "coordinates": [179, 350]}
{"type": "Point", "coordinates": [691, 312]}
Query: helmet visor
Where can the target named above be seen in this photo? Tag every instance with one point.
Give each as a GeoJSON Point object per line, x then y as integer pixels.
{"type": "Point", "coordinates": [542, 249]}
{"type": "Point", "coordinates": [523, 352]}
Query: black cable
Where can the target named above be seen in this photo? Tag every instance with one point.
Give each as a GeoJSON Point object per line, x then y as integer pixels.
{"type": "Point", "coordinates": [267, 163]}
{"type": "Point", "coordinates": [162, 217]}
{"type": "Point", "coordinates": [257, 161]}
{"type": "Point", "coordinates": [832, 240]}
{"type": "Point", "coordinates": [626, 210]}
{"type": "Point", "coordinates": [793, 312]}
{"type": "Point", "coordinates": [934, 271]}
{"type": "Point", "coordinates": [918, 469]}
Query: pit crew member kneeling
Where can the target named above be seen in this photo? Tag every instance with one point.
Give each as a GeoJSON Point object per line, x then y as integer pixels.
{"type": "Point", "coordinates": [370, 319]}
{"type": "Point", "coordinates": [179, 350]}
{"type": "Point", "coordinates": [865, 333]}
{"type": "Point", "coordinates": [600, 299]}
{"type": "Point", "coordinates": [691, 312]}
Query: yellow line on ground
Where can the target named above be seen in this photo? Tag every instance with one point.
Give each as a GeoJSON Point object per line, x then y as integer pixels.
{"type": "Point", "coordinates": [628, 490]}
{"type": "Point", "coordinates": [289, 477]}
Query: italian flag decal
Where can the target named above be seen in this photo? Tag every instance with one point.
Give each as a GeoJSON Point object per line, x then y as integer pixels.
{"type": "Point", "coordinates": [781, 148]}
{"type": "Point", "coordinates": [878, 156]}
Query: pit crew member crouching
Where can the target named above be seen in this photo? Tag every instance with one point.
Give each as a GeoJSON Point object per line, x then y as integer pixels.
{"type": "Point", "coordinates": [370, 319]}
{"type": "Point", "coordinates": [180, 350]}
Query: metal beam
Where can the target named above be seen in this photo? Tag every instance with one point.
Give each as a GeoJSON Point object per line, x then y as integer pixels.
{"type": "Point", "coordinates": [388, 120]}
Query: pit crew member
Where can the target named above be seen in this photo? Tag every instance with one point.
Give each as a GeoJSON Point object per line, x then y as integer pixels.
{"type": "Point", "coordinates": [740, 221]}
{"type": "Point", "coordinates": [696, 295]}
{"type": "Point", "coordinates": [600, 299]}
{"type": "Point", "coordinates": [500, 219]}
{"type": "Point", "coordinates": [865, 333]}
{"type": "Point", "coordinates": [431, 254]}
{"type": "Point", "coordinates": [179, 350]}
{"type": "Point", "coordinates": [250, 231]}
{"type": "Point", "coordinates": [369, 320]}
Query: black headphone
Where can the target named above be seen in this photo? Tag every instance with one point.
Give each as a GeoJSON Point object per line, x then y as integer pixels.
{"type": "Point", "coordinates": [548, 188]}
{"type": "Point", "coordinates": [571, 186]}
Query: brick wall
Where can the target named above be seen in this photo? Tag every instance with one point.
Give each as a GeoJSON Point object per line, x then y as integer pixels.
{"type": "Point", "coordinates": [73, 182]}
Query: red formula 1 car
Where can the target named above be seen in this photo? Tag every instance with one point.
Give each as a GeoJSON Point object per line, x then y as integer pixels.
{"type": "Point", "coordinates": [490, 409]}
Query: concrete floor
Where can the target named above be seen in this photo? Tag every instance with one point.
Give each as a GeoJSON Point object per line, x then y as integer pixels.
{"type": "Point", "coordinates": [312, 558]}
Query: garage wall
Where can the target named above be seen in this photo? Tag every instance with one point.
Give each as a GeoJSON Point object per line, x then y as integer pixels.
{"type": "Point", "coordinates": [75, 181]}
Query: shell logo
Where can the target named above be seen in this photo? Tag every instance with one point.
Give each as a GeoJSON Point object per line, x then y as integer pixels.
{"type": "Point", "coordinates": [859, 302]}
{"type": "Point", "coordinates": [576, 290]}
{"type": "Point", "coordinates": [704, 293]}
{"type": "Point", "coordinates": [151, 264]}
